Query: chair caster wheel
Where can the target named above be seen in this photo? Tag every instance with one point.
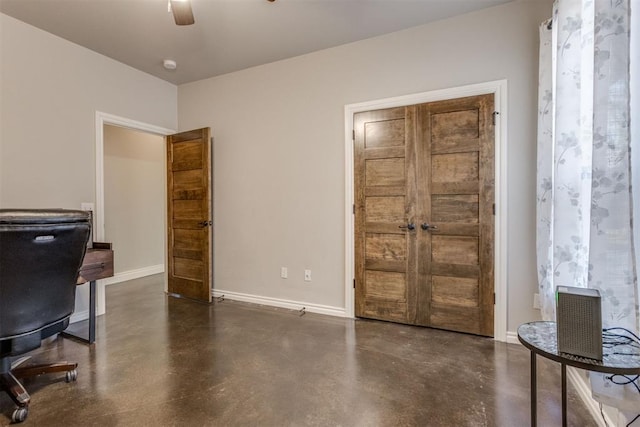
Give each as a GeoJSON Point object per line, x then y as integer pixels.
{"type": "Point", "coordinates": [20, 414]}
{"type": "Point", "coordinates": [71, 375]}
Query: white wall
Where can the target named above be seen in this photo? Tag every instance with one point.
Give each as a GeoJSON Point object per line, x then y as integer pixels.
{"type": "Point", "coordinates": [279, 147]}
{"type": "Point", "coordinates": [50, 91]}
{"type": "Point", "coordinates": [134, 183]}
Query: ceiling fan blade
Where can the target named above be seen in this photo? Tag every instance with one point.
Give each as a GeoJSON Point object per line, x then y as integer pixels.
{"type": "Point", "coordinates": [182, 13]}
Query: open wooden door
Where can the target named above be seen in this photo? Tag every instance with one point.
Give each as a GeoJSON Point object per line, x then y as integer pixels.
{"type": "Point", "coordinates": [189, 216]}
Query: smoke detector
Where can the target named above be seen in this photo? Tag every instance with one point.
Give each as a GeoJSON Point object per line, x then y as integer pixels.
{"type": "Point", "coordinates": [169, 64]}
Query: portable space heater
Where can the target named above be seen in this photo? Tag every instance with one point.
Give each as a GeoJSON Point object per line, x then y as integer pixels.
{"type": "Point", "coordinates": [579, 321]}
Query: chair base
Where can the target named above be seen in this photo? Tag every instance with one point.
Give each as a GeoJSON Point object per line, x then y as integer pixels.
{"type": "Point", "coordinates": [9, 383]}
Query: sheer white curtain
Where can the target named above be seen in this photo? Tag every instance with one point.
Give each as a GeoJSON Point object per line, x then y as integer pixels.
{"type": "Point", "coordinates": [584, 204]}
{"type": "Point", "coordinates": [635, 129]}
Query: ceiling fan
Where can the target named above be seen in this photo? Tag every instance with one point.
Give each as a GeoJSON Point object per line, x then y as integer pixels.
{"type": "Point", "coordinates": [182, 13]}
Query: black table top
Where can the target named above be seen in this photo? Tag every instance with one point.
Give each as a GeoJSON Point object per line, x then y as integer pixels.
{"type": "Point", "coordinates": [541, 338]}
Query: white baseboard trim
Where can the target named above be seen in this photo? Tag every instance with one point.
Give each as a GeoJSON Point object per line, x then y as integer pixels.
{"type": "Point", "coordinates": [512, 337]}
{"type": "Point", "coordinates": [133, 274]}
{"type": "Point", "coordinates": [282, 303]}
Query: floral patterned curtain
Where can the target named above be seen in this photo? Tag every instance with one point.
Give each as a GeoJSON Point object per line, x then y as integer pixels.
{"type": "Point", "coordinates": [584, 215]}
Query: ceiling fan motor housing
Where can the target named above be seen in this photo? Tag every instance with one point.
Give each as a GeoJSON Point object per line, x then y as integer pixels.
{"type": "Point", "coordinates": [182, 13]}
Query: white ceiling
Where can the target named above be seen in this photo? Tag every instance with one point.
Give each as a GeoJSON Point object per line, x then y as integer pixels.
{"type": "Point", "coordinates": [228, 35]}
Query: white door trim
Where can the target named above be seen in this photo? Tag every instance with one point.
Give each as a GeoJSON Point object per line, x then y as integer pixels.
{"type": "Point", "coordinates": [98, 214]}
{"type": "Point", "coordinates": [499, 89]}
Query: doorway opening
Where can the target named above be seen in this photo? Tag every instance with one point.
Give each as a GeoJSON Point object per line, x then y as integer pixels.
{"type": "Point", "coordinates": [108, 126]}
{"type": "Point", "coordinates": [134, 182]}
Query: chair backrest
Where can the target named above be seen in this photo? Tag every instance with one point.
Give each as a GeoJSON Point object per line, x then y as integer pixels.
{"type": "Point", "coordinates": [41, 252]}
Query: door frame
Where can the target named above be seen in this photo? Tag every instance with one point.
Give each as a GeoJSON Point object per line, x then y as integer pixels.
{"type": "Point", "coordinates": [499, 89]}
{"type": "Point", "coordinates": [98, 213]}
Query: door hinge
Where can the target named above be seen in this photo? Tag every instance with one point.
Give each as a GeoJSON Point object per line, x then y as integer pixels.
{"type": "Point", "coordinates": [494, 298]}
{"type": "Point", "coordinates": [493, 116]}
{"type": "Point", "coordinates": [353, 134]}
{"type": "Point", "coordinates": [354, 209]}
{"type": "Point", "coordinates": [494, 208]}
{"type": "Point", "coordinates": [354, 283]}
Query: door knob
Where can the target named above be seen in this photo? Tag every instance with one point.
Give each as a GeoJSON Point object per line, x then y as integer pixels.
{"type": "Point", "coordinates": [425, 226]}
{"type": "Point", "coordinates": [410, 226]}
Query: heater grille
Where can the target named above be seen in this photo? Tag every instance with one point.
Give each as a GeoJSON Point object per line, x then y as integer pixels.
{"type": "Point", "coordinates": [579, 320]}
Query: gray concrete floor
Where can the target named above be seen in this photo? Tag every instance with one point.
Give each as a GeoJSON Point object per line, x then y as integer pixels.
{"type": "Point", "coordinates": [161, 361]}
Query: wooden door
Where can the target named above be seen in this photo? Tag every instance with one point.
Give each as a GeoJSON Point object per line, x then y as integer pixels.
{"type": "Point", "coordinates": [189, 217]}
{"type": "Point", "coordinates": [440, 273]}
{"type": "Point", "coordinates": [385, 194]}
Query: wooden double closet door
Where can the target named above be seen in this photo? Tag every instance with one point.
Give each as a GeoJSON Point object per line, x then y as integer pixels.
{"type": "Point", "coordinates": [424, 214]}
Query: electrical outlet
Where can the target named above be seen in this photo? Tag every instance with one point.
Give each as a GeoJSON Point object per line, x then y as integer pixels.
{"type": "Point", "coordinates": [536, 301]}
{"type": "Point", "coordinates": [284, 273]}
{"type": "Point", "coordinates": [307, 275]}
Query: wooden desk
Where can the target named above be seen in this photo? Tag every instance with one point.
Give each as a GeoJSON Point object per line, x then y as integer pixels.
{"type": "Point", "coordinates": [97, 264]}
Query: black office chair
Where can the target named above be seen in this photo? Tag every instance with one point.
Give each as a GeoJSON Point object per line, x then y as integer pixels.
{"type": "Point", "coordinates": [41, 252]}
